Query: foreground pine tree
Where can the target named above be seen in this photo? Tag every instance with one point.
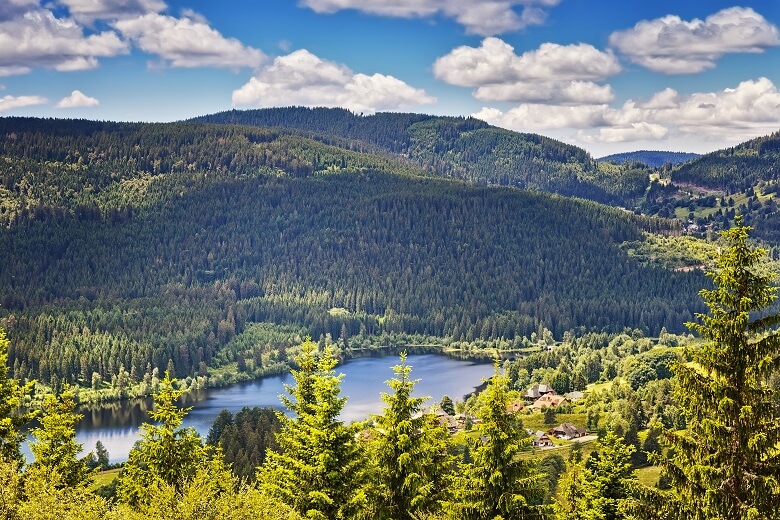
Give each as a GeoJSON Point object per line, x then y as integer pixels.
{"type": "Point", "coordinates": [409, 452]}
{"type": "Point", "coordinates": [317, 466]}
{"type": "Point", "coordinates": [167, 454]}
{"type": "Point", "coordinates": [499, 484]}
{"type": "Point", "coordinates": [727, 464]}
{"type": "Point", "coordinates": [12, 396]}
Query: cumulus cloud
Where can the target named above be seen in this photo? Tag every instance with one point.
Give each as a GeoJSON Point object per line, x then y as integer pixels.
{"type": "Point", "coordinates": [749, 110]}
{"type": "Point", "coordinates": [77, 100]}
{"type": "Point", "coordinates": [11, 102]}
{"type": "Point", "coordinates": [674, 46]}
{"type": "Point", "coordinates": [532, 116]}
{"type": "Point", "coordinates": [12, 8]}
{"type": "Point", "coordinates": [90, 10]}
{"type": "Point", "coordinates": [301, 78]}
{"type": "Point", "coordinates": [619, 134]}
{"type": "Point", "coordinates": [185, 42]}
{"type": "Point", "coordinates": [483, 17]}
{"type": "Point", "coordinates": [38, 38]}
{"type": "Point", "coordinates": [553, 73]}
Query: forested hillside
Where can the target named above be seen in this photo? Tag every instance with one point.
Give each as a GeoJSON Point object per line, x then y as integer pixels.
{"type": "Point", "coordinates": [736, 168]}
{"type": "Point", "coordinates": [653, 158]}
{"type": "Point", "coordinates": [463, 148]}
{"type": "Point", "coordinates": [126, 247]}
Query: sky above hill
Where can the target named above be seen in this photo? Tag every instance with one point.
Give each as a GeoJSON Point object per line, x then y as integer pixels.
{"type": "Point", "coordinates": [607, 75]}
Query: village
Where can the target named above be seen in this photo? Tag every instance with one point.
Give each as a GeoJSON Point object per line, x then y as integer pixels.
{"type": "Point", "coordinates": [539, 399]}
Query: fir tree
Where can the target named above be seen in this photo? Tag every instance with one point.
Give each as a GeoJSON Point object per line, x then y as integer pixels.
{"type": "Point", "coordinates": [499, 484]}
{"type": "Point", "coordinates": [410, 453]}
{"type": "Point", "coordinates": [727, 464]}
{"type": "Point", "coordinates": [54, 442]}
{"type": "Point", "coordinates": [317, 465]}
{"type": "Point", "coordinates": [12, 396]}
{"type": "Point", "coordinates": [600, 488]}
{"type": "Point", "coordinates": [167, 454]}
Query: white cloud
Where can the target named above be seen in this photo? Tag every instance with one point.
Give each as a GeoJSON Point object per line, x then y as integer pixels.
{"type": "Point", "coordinates": [39, 39]}
{"type": "Point", "coordinates": [301, 78]}
{"type": "Point", "coordinates": [11, 102]}
{"type": "Point", "coordinates": [574, 92]}
{"type": "Point", "coordinates": [675, 46]}
{"type": "Point", "coordinates": [750, 110]}
{"type": "Point", "coordinates": [184, 42]}
{"type": "Point", "coordinates": [90, 10]}
{"type": "Point", "coordinates": [555, 74]}
{"type": "Point", "coordinates": [12, 8]}
{"type": "Point", "coordinates": [77, 100]}
{"type": "Point", "coordinates": [483, 17]}
{"type": "Point", "coordinates": [532, 117]}
{"type": "Point", "coordinates": [619, 134]}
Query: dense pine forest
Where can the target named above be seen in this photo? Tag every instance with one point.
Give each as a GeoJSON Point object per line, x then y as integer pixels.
{"type": "Point", "coordinates": [650, 157]}
{"type": "Point", "coordinates": [134, 248]}
{"type": "Point", "coordinates": [464, 148]}
{"type": "Point", "coordinates": [703, 412]}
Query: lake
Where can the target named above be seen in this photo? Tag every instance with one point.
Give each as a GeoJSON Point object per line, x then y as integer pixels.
{"type": "Point", "coordinates": [116, 425]}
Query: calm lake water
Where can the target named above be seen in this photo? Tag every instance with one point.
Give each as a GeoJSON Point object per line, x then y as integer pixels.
{"type": "Point", "coordinates": [116, 426]}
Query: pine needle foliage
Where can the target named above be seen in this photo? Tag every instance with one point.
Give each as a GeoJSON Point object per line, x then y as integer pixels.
{"type": "Point", "coordinates": [167, 454]}
{"type": "Point", "coordinates": [409, 451]}
{"type": "Point", "coordinates": [316, 469]}
{"type": "Point", "coordinates": [726, 465]}
{"type": "Point", "coordinates": [54, 443]}
{"type": "Point", "coordinates": [12, 420]}
{"type": "Point", "coordinates": [499, 484]}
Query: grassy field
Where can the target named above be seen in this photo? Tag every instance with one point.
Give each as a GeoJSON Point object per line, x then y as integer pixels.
{"type": "Point", "coordinates": [105, 477]}
{"type": "Point", "coordinates": [649, 475]}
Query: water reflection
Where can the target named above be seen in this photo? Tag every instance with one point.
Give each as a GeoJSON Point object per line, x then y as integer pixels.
{"type": "Point", "coordinates": [116, 424]}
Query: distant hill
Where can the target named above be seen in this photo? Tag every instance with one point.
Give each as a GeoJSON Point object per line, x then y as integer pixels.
{"type": "Point", "coordinates": [734, 169]}
{"type": "Point", "coordinates": [462, 148]}
{"type": "Point", "coordinates": [653, 158]}
{"type": "Point", "coordinates": [129, 246]}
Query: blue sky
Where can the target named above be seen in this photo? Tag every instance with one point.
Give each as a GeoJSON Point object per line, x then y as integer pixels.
{"type": "Point", "coordinates": [605, 75]}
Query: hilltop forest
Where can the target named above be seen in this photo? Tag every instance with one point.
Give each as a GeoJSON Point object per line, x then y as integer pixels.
{"type": "Point", "coordinates": [132, 248]}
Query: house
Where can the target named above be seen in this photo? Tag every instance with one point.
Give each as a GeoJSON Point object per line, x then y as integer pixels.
{"type": "Point", "coordinates": [568, 431]}
{"type": "Point", "coordinates": [537, 391]}
{"type": "Point", "coordinates": [542, 440]}
{"type": "Point", "coordinates": [515, 406]}
{"type": "Point", "coordinates": [574, 396]}
{"type": "Point", "coordinates": [548, 401]}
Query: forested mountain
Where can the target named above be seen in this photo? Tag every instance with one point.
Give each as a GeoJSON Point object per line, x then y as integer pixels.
{"type": "Point", "coordinates": [462, 148]}
{"type": "Point", "coordinates": [734, 169]}
{"type": "Point", "coordinates": [654, 158]}
{"type": "Point", "coordinates": [130, 246]}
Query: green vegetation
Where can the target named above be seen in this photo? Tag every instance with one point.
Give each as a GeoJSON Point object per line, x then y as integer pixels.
{"type": "Point", "coordinates": [467, 149]}
{"type": "Point", "coordinates": [725, 464]}
{"type": "Point", "coordinates": [210, 250]}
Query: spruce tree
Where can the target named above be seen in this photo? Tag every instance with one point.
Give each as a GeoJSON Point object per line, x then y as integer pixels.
{"type": "Point", "coordinates": [409, 450]}
{"type": "Point", "coordinates": [12, 420]}
{"type": "Point", "coordinates": [599, 489]}
{"type": "Point", "coordinates": [54, 442]}
{"type": "Point", "coordinates": [316, 469]}
{"type": "Point", "coordinates": [167, 454]}
{"type": "Point", "coordinates": [727, 464]}
{"type": "Point", "coordinates": [499, 483]}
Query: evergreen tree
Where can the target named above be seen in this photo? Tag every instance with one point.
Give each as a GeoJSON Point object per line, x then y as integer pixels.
{"type": "Point", "coordinates": [410, 453]}
{"type": "Point", "coordinates": [447, 405]}
{"type": "Point", "coordinates": [499, 484]}
{"type": "Point", "coordinates": [599, 488]}
{"type": "Point", "coordinates": [727, 465]}
{"type": "Point", "coordinates": [317, 466]}
{"type": "Point", "coordinates": [11, 398]}
{"type": "Point", "coordinates": [101, 453]}
{"type": "Point", "coordinates": [167, 454]}
{"type": "Point", "coordinates": [54, 445]}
